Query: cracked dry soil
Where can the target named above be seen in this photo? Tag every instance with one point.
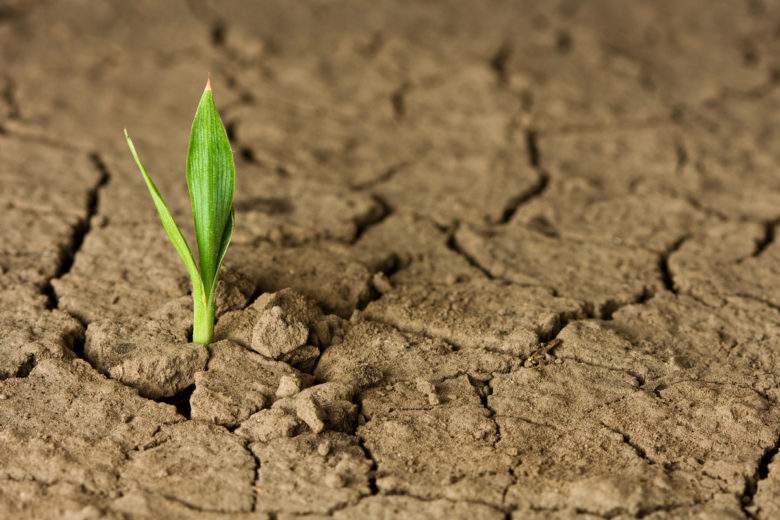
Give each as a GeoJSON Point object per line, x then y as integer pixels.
{"type": "Point", "coordinates": [493, 260]}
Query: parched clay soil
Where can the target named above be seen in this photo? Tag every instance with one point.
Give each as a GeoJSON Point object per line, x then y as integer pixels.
{"type": "Point", "coordinates": [493, 260]}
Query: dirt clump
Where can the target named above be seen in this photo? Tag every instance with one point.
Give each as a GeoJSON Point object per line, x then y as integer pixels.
{"type": "Point", "coordinates": [150, 354]}
{"type": "Point", "coordinates": [270, 423]}
{"type": "Point", "coordinates": [328, 405]}
{"type": "Point", "coordinates": [236, 382]}
{"type": "Point", "coordinates": [285, 325]}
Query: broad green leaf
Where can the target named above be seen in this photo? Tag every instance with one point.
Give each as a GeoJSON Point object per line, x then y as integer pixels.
{"type": "Point", "coordinates": [211, 177]}
{"type": "Point", "coordinates": [171, 229]}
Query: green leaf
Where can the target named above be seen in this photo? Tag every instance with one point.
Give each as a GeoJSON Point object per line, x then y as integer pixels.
{"type": "Point", "coordinates": [171, 229]}
{"type": "Point", "coordinates": [211, 177]}
{"type": "Point", "coordinates": [223, 249]}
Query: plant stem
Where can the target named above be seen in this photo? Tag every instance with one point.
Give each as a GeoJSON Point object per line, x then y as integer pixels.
{"type": "Point", "coordinates": [203, 323]}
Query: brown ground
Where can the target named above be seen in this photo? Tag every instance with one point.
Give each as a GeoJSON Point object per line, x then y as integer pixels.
{"type": "Point", "coordinates": [493, 260]}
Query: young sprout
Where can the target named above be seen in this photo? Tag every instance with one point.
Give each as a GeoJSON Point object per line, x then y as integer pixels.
{"type": "Point", "coordinates": [211, 178]}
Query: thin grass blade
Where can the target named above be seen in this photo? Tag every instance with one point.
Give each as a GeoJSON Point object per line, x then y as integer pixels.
{"type": "Point", "coordinates": [171, 229]}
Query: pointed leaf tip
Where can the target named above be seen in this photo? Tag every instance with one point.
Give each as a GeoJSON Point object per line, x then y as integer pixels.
{"type": "Point", "coordinates": [208, 83]}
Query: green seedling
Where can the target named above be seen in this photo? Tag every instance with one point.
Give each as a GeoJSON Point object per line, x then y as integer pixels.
{"type": "Point", "coordinates": [211, 179]}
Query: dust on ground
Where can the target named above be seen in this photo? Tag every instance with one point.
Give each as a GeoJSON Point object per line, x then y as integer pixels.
{"type": "Point", "coordinates": [492, 260]}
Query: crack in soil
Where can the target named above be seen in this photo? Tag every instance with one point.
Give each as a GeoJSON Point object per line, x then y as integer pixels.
{"type": "Point", "coordinates": [82, 228]}
{"type": "Point", "coordinates": [640, 379]}
{"type": "Point", "coordinates": [767, 239]}
{"type": "Point", "coordinates": [398, 101]}
{"type": "Point", "coordinates": [217, 33]}
{"type": "Point", "coordinates": [681, 153]}
{"type": "Point", "coordinates": [532, 144]}
{"type": "Point", "coordinates": [424, 332]}
{"type": "Point", "coordinates": [499, 63]}
{"type": "Point", "coordinates": [534, 161]}
{"type": "Point", "coordinates": [390, 172]}
{"type": "Point", "coordinates": [374, 467]}
{"type": "Point", "coordinates": [400, 493]}
{"type": "Point", "coordinates": [453, 245]}
{"type": "Point", "coordinates": [757, 299]}
{"type": "Point", "coordinates": [8, 94]}
{"type": "Point", "coordinates": [437, 498]}
{"type": "Point", "coordinates": [612, 306]}
{"type": "Point", "coordinates": [667, 277]}
{"type": "Point", "coordinates": [181, 401]}
{"type": "Point", "coordinates": [641, 512]}
{"type": "Point", "coordinates": [372, 485]}
{"type": "Point", "coordinates": [8, 13]}
{"type": "Point", "coordinates": [484, 391]}
{"type": "Point", "coordinates": [751, 483]}
{"type": "Point", "coordinates": [153, 443]}
{"type": "Point", "coordinates": [640, 451]}
{"type": "Point", "coordinates": [534, 192]}
{"type": "Point", "coordinates": [372, 219]}
{"type": "Point", "coordinates": [24, 368]}
{"type": "Point", "coordinates": [608, 308]}
{"type": "Point", "coordinates": [512, 482]}
{"type": "Point", "coordinates": [189, 505]}
{"type": "Point", "coordinates": [256, 476]}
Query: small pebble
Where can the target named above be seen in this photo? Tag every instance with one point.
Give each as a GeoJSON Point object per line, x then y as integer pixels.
{"type": "Point", "coordinates": [309, 412]}
{"type": "Point", "coordinates": [288, 386]}
{"type": "Point", "coordinates": [424, 386]}
{"type": "Point", "coordinates": [324, 448]}
{"type": "Point", "coordinates": [382, 283]}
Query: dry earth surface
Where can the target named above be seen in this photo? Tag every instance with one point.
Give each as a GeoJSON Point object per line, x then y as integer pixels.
{"type": "Point", "coordinates": [494, 260]}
